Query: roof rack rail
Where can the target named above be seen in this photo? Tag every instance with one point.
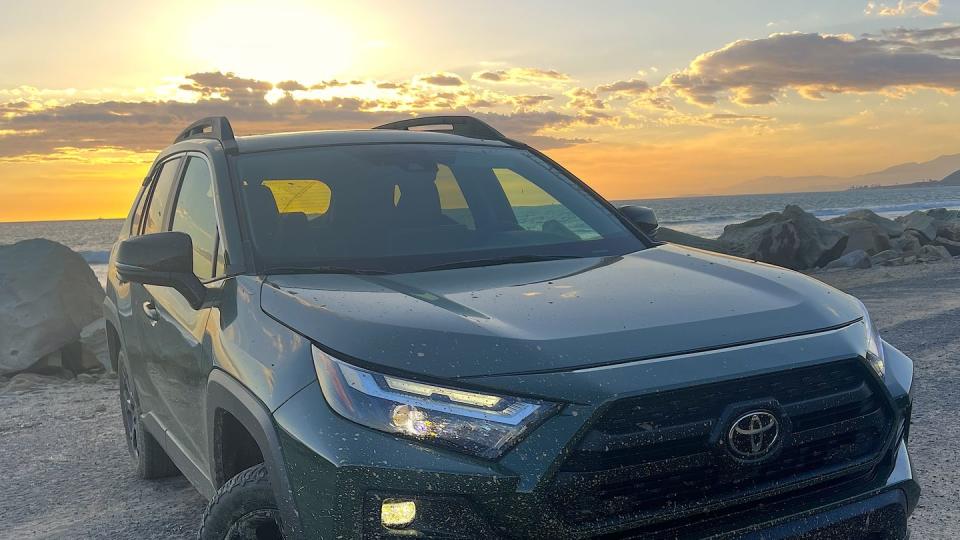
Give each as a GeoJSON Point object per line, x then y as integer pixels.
{"type": "Point", "coordinates": [211, 127]}
{"type": "Point", "coordinates": [464, 126]}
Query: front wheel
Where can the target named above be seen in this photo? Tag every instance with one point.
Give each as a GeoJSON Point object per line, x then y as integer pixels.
{"type": "Point", "coordinates": [243, 509]}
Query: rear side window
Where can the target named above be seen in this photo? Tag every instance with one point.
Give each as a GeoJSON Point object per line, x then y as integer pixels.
{"type": "Point", "coordinates": [138, 208]}
{"type": "Point", "coordinates": [161, 194]}
{"type": "Point", "coordinates": [195, 215]}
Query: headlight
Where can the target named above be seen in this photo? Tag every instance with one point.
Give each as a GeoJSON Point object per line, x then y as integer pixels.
{"type": "Point", "coordinates": [874, 347]}
{"type": "Point", "coordinates": [481, 424]}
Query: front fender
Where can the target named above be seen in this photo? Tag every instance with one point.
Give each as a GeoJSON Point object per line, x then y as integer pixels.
{"type": "Point", "coordinates": [227, 394]}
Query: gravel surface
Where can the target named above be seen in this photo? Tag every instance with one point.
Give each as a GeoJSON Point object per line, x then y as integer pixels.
{"type": "Point", "coordinates": [68, 474]}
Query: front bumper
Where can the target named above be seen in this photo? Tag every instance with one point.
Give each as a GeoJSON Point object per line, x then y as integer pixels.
{"type": "Point", "coordinates": [340, 472]}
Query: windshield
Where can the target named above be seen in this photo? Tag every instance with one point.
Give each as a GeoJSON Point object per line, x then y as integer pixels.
{"type": "Point", "coordinates": [408, 207]}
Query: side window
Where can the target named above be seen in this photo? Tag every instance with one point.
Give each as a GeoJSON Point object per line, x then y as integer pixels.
{"type": "Point", "coordinates": [138, 209]}
{"type": "Point", "coordinates": [452, 202]}
{"type": "Point", "coordinates": [537, 210]}
{"type": "Point", "coordinates": [195, 215]}
{"type": "Point", "coordinates": [163, 185]}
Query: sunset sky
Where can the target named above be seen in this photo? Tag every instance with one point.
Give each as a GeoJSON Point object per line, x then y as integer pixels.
{"type": "Point", "coordinates": [640, 99]}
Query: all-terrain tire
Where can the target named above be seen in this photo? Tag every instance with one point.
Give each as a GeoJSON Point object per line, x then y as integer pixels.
{"type": "Point", "coordinates": [152, 460]}
{"type": "Point", "coordinates": [243, 509]}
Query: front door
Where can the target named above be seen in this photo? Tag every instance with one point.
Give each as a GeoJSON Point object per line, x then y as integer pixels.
{"type": "Point", "coordinates": [178, 359]}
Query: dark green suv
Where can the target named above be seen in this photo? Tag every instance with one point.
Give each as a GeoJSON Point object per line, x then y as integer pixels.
{"type": "Point", "coordinates": [428, 330]}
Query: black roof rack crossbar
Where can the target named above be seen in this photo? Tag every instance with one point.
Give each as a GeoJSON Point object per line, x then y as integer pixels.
{"type": "Point", "coordinates": [211, 127]}
{"type": "Point", "coordinates": [464, 126]}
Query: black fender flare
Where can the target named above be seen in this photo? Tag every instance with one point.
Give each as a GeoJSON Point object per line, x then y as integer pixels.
{"type": "Point", "coordinates": [226, 393]}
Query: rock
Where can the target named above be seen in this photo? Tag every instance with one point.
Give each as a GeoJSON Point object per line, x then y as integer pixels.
{"type": "Point", "coordinates": [941, 215]}
{"type": "Point", "coordinates": [886, 256]}
{"type": "Point", "coordinates": [87, 378]}
{"type": "Point", "coordinates": [792, 238]}
{"type": "Point", "coordinates": [920, 222]}
{"type": "Point", "coordinates": [22, 382]}
{"type": "Point", "coordinates": [909, 242]}
{"type": "Point", "coordinates": [949, 230]}
{"type": "Point", "coordinates": [951, 245]}
{"type": "Point", "coordinates": [854, 259]}
{"type": "Point", "coordinates": [93, 343]}
{"type": "Point", "coordinates": [665, 234]}
{"type": "Point", "coordinates": [890, 227]}
{"type": "Point", "coordinates": [48, 294]}
{"type": "Point", "coordinates": [863, 236]}
{"type": "Point", "coordinates": [933, 254]}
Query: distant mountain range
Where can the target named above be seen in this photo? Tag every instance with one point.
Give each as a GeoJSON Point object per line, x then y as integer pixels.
{"type": "Point", "coordinates": [923, 174]}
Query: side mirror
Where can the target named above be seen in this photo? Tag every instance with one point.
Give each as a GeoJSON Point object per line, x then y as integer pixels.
{"type": "Point", "coordinates": [641, 216]}
{"type": "Point", "coordinates": [164, 259]}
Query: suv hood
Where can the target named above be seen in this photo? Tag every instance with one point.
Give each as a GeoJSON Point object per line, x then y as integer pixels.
{"type": "Point", "coordinates": [553, 315]}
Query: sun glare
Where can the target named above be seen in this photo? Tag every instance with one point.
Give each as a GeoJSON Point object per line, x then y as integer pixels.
{"type": "Point", "coordinates": [304, 41]}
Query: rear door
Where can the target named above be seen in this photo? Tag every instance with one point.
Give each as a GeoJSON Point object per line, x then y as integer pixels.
{"type": "Point", "coordinates": [179, 359]}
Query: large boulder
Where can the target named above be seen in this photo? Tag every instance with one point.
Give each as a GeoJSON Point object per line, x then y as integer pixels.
{"type": "Point", "coordinates": [792, 238]}
{"type": "Point", "coordinates": [920, 222]}
{"type": "Point", "coordinates": [933, 254]}
{"type": "Point", "coordinates": [941, 215]}
{"type": "Point", "coordinates": [48, 294]}
{"type": "Point", "coordinates": [886, 257]}
{"type": "Point", "coordinates": [854, 259]}
{"type": "Point", "coordinates": [665, 234]}
{"type": "Point", "coordinates": [93, 346]}
{"type": "Point", "coordinates": [908, 242]}
{"type": "Point", "coordinates": [951, 246]}
{"type": "Point", "coordinates": [890, 227]}
{"type": "Point", "coordinates": [863, 236]}
{"type": "Point", "coordinates": [949, 230]}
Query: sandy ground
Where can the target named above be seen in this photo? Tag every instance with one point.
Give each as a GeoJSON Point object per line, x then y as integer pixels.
{"type": "Point", "coordinates": [67, 473]}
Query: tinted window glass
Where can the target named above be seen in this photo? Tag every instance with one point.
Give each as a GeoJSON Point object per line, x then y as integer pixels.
{"type": "Point", "coordinates": [161, 194]}
{"type": "Point", "coordinates": [399, 208]}
{"type": "Point", "coordinates": [138, 209]}
{"type": "Point", "coordinates": [537, 210]}
{"type": "Point", "coordinates": [195, 215]}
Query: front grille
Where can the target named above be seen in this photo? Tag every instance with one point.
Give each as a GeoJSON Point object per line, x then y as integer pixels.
{"type": "Point", "coordinates": [656, 456]}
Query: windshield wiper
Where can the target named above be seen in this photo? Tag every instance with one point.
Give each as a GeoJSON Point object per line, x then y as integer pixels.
{"type": "Point", "coordinates": [323, 269]}
{"type": "Point", "coordinates": [497, 261]}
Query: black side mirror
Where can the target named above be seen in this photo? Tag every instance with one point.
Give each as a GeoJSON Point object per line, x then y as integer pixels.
{"type": "Point", "coordinates": [164, 259]}
{"type": "Point", "coordinates": [641, 216]}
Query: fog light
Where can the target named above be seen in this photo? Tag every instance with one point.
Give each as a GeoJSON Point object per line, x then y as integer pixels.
{"type": "Point", "coordinates": [396, 513]}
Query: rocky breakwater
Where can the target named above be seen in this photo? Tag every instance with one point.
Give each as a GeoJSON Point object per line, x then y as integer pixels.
{"type": "Point", "coordinates": [860, 239]}
{"type": "Point", "coordinates": [51, 318]}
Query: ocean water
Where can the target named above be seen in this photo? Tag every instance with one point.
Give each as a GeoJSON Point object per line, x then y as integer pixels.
{"type": "Point", "coordinates": [707, 216]}
{"type": "Point", "coordinates": [703, 216]}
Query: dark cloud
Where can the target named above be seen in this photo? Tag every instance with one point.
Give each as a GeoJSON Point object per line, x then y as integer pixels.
{"type": "Point", "coordinates": [152, 125]}
{"type": "Point", "coordinates": [442, 79]}
{"type": "Point", "coordinates": [531, 101]}
{"type": "Point", "coordinates": [290, 86]}
{"type": "Point", "coordinates": [632, 86]}
{"type": "Point", "coordinates": [584, 99]}
{"type": "Point", "coordinates": [522, 76]}
{"type": "Point", "coordinates": [753, 72]}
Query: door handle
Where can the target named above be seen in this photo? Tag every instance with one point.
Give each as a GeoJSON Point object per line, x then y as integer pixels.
{"type": "Point", "coordinates": [151, 311]}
